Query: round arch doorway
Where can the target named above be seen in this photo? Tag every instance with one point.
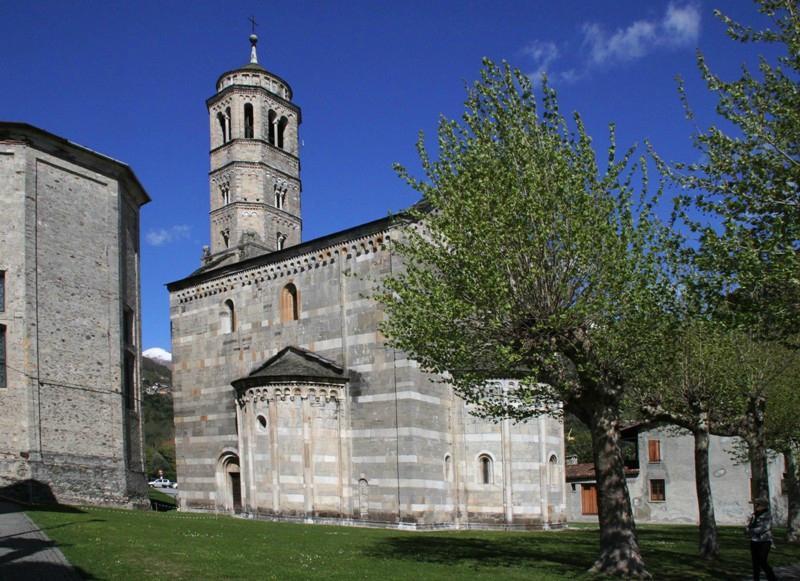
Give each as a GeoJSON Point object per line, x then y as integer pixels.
{"type": "Point", "coordinates": [229, 483]}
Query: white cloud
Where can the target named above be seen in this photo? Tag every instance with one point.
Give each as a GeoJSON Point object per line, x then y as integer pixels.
{"type": "Point", "coordinates": [542, 53]}
{"type": "Point", "coordinates": [162, 236]}
{"type": "Point", "coordinates": [680, 26]}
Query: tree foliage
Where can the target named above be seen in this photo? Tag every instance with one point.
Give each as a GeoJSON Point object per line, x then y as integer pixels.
{"type": "Point", "coordinates": [748, 181]}
{"type": "Point", "coordinates": [527, 259]}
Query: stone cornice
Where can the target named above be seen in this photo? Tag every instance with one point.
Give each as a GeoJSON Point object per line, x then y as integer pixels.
{"type": "Point", "coordinates": [369, 237]}
{"type": "Point", "coordinates": [255, 165]}
{"type": "Point", "coordinates": [246, 276]}
{"type": "Point", "coordinates": [316, 392]}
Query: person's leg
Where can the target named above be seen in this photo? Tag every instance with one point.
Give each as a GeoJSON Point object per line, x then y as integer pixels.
{"type": "Point", "coordinates": [759, 554]}
{"type": "Point", "coordinates": [755, 558]}
{"type": "Point", "coordinates": [764, 565]}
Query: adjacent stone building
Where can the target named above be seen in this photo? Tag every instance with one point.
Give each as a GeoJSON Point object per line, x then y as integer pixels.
{"type": "Point", "coordinates": [661, 482]}
{"type": "Point", "coordinates": [288, 403]}
{"type": "Point", "coordinates": [70, 427]}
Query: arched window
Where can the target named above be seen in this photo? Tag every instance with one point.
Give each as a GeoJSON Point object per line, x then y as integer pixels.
{"type": "Point", "coordinates": [228, 318]}
{"type": "Point", "coordinates": [553, 471]}
{"type": "Point", "coordinates": [261, 423]}
{"type": "Point", "coordinates": [226, 238]}
{"type": "Point", "coordinates": [485, 469]}
{"type": "Point", "coordinates": [248, 121]}
{"type": "Point", "coordinates": [271, 122]}
{"type": "Point", "coordinates": [290, 309]}
{"type": "Point", "coordinates": [280, 197]}
{"type": "Point", "coordinates": [228, 122]}
{"type": "Point", "coordinates": [281, 242]}
{"type": "Point", "coordinates": [282, 130]}
{"type": "Point", "coordinates": [363, 498]}
{"type": "Point", "coordinates": [448, 467]}
{"type": "Point", "coordinates": [223, 127]}
{"type": "Point", "coordinates": [225, 194]}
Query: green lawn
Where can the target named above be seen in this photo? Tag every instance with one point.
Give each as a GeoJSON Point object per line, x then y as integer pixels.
{"type": "Point", "coordinates": [162, 498]}
{"type": "Point", "coordinates": [118, 544]}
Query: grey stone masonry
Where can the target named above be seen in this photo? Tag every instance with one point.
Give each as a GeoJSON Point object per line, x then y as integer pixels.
{"type": "Point", "coordinates": [71, 425]}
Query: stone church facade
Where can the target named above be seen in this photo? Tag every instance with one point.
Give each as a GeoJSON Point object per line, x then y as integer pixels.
{"type": "Point", "coordinates": [288, 403]}
{"type": "Point", "coordinates": [71, 425]}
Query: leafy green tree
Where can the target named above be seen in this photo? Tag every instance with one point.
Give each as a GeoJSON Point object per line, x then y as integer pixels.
{"type": "Point", "coordinates": [526, 259]}
{"type": "Point", "coordinates": [783, 434]}
{"type": "Point", "coordinates": [747, 191]}
{"type": "Point", "coordinates": [711, 378]}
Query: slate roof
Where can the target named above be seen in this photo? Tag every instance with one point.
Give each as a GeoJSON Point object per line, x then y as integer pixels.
{"type": "Point", "coordinates": [293, 364]}
{"type": "Point", "coordinates": [585, 471]}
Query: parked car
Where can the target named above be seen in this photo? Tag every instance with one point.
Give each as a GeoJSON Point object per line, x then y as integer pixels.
{"type": "Point", "coordinates": [174, 485]}
{"type": "Point", "coordinates": [160, 483]}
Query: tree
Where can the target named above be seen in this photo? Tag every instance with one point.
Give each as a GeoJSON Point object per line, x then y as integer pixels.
{"type": "Point", "coordinates": [749, 179]}
{"type": "Point", "coordinates": [690, 385]}
{"type": "Point", "coordinates": [747, 190]}
{"type": "Point", "coordinates": [783, 434]}
{"type": "Point", "coordinates": [525, 259]}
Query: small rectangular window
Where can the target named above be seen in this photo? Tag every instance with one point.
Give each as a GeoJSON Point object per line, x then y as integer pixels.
{"type": "Point", "coordinates": [658, 490]}
{"type": "Point", "coordinates": [3, 356]}
{"type": "Point", "coordinates": [654, 451]}
{"type": "Point", "coordinates": [128, 326]}
{"type": "Point", "coordinates": [128, 377]}
{"type": "Point", "coordinates": [2, 290]}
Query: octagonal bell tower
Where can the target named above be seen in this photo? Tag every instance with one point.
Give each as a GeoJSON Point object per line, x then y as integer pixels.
{"type": "Point", "coordinates": [255, 167]}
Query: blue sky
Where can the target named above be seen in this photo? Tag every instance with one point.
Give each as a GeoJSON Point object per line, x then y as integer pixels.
{"type": "Point", "coordinates": [130, 80]}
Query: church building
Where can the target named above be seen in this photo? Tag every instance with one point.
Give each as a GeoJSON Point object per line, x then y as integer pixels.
{"type": "Point", "coordinates": [288, 402]}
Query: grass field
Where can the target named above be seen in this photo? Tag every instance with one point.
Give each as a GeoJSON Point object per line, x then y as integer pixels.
{"type": "Point", "coordinates": [117, 544]}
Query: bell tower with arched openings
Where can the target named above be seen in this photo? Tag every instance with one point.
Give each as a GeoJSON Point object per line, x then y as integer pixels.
{"type": "Point", "coordinates": [255, 165]}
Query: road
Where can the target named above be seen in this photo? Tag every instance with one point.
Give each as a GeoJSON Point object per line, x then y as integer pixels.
{"type": "Point", "coordinates": [170, 491]}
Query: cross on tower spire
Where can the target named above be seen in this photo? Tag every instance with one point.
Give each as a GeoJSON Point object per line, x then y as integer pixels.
{"type": "Point", "coordinates": [253, 40]}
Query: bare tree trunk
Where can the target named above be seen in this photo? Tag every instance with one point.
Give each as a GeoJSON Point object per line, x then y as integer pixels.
{"type": "Point", "coordinates": [619, 548]}
{"type": "Point", "coordinates": [709, 541]}
{"type": "Point", "coordinates": [793, 493]}
{"type": "Point", "coordinates": [757, 443]}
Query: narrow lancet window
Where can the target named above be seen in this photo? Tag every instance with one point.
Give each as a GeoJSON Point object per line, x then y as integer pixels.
{"type": "Point", "coordinates": [271, 122]}
{"type": "Point", "coordinates": [228, 318]}
{"type": "Point", "coordinates": [223, 128]}
{"type": "Point", "coordinates": [281, 242]}
{"type": "Point", "coordinates": [485, 469]}
{"type": "Point", "coordinates": [248, 121]}
{"type": "Point", "coordinates": [281, 131]}
{"type": "Point", "coordinates": [290, 309]}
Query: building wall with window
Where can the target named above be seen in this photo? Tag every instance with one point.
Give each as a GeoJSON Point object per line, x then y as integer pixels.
{"type": "Point", "coordinates": [71, 424]}
{"type": "Point", "coordinates": [288, 403]}
{"type": "Point", "coordinates": [662, 482]}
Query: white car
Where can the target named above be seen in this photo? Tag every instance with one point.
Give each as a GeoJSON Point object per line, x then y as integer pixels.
{"type": "Point", "coordinates": [160, 483]}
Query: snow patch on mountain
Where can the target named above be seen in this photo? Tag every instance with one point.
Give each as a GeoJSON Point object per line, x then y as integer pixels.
{"type": "Point", "coordinates": [158, 354]}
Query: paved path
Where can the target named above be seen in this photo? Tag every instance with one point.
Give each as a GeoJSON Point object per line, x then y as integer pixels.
{"type": "Point", "coordinates": [26, 553]}
{"type": "Point", "coordinates": [787, 573]}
